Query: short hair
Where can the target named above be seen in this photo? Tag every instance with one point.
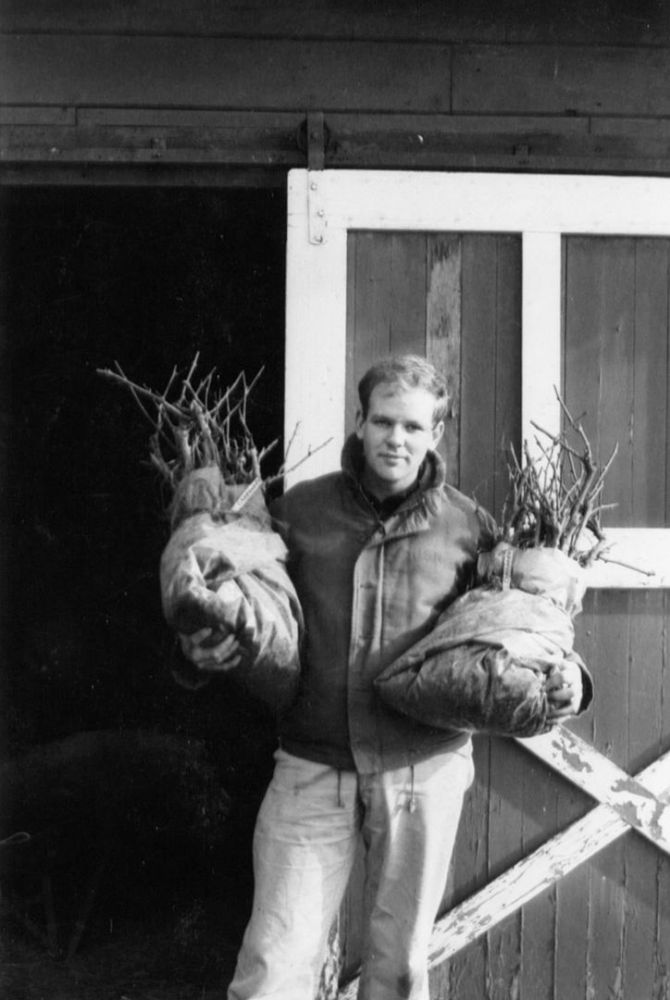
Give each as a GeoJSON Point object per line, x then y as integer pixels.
{"type": "Point", "coordinates": [409, 371]}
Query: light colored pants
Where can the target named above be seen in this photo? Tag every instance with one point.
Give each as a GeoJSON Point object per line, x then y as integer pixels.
{"type": "Point", "coordinates": [304, 847]}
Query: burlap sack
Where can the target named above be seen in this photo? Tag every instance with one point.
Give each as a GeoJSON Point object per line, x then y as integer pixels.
{"type": "Point", "coordinates": [485, 664]}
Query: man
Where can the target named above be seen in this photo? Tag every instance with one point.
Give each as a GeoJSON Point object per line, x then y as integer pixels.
{"type": "Point", "coordinates": [376, 552]}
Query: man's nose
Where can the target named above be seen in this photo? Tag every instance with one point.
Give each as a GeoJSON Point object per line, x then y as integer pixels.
{"type": "Point", "coordinates": [396, 434]}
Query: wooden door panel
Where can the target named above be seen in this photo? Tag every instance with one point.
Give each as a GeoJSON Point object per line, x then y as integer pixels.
{"type": "Point", "coordinates": [457, 299]}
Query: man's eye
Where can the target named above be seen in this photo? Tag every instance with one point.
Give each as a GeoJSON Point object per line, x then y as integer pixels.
{"type": "Point", "coordinates": [413, 428]}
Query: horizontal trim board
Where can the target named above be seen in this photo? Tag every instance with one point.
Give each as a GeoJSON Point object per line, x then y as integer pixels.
{"type": "Point", "coordinates": [138, 174]}
{"type": "Point", "coordinates": [41, 115]}
{"type": "Point", "coordinates": [343, 123]}
{"type": "Point", "coordinates": [194, 118]}
{"type": "Point", "coordinates": [656, 128]}
{"type": "Point", "coordinates": [369, 141]}
{"type": "Point", "coordinates": [558, 79]}
{"type": "Point", "coordinates": [513, 203]}
{"type": "Point", "coordinates": [223, 73]}
{"type": "Point", "coordinates": [471, 20]}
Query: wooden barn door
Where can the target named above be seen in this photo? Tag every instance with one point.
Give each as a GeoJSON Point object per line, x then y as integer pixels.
{"type": "Point", "coordinates": [560, 884]}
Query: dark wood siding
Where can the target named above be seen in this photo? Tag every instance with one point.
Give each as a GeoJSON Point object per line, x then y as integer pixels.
{"type": "Point", "coordinates": [617, 366]}
{"type": "Point", "coordinates": [155, 89]}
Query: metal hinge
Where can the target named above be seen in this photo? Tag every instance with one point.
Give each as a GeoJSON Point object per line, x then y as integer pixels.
{"type": "Point", "coordinates": [313, 138]}
{"type": "Point", "coordinates": [316, 212]}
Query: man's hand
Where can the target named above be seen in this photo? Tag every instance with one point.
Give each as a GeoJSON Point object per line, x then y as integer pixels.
{"type": "Point", "coordinates": [564, 691]}
{"type": "Point", "coordinates": [208, 655]}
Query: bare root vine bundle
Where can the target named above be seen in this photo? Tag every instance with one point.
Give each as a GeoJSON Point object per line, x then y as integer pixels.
{"type": "Point", "coordinates": [223, 567]}
{"type": "Point", "coordinates": [486, 664]}
{"type": "Point", "coordinates": [555, 495]}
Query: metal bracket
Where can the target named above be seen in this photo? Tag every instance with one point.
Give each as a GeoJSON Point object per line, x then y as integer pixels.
{"type": "Point", "coordinates": [316, 212]}
{"type": "Point", "coordinates": [312, 138]}
{"type": "Point", "coordinates": [316, 141]}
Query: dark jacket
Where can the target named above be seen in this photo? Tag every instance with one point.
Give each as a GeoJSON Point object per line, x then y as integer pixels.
{"type": "Point", "coordinates": [370, 588]}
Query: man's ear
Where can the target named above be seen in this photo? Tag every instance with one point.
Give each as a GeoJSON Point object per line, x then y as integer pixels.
{"type": "Point", "coordinates": [438, 431]}
{"type": "Point", "coordinates": [360, 420]}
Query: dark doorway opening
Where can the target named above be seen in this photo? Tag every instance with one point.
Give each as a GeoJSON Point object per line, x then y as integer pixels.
{"type": "Point", "coordinates": [148, 278]}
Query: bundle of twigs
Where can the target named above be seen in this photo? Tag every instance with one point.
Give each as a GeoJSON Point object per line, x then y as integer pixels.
{"type": "Point", "coordinates": [555, 495]}
{"type": "Point", "coordinates": [199, 424]}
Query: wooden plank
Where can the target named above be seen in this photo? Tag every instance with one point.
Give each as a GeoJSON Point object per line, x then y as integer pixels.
{"type": "Point", "coordinates": [505, 833]}
{"type": "Point", "coordinates": [282, 18]}
{"type": "Point", "coordinates": [351, 147]}
{"type": "Point", "coordinates": [369, 321]}
{"type": "Point", "coordinates": [658, 128]}
{"type": "Point", "coordinates": [469, 873]}
{"type": "Point", "coordinates": [90, 118]}
{"type": "Point", "coordinates": [21, 115]}
{"type": "Point", "coordinates": [150, 145]}
{"type": "Point", "coordinates": [650, 449]}
{"type": "Point", "coordinates": [616, 292]}
{"type": "Point", "coordinates": [127, 173]}
{"type": "Point", "coordinates": [443, 334]}
{"type": "Point", "coordinates": [572, 893]}
{"type": "Point", "coordinates": [565, 79]}
{"type": "Point", "coordinates": [570, 21]}
{"type": "Point", "coordinates": [644, 865]}
{"type": "Point", "coordinates": [426, 127]}
{"type": "Point", "coordinates": [572, 930]}
{"type": "Point", "coordinates": [508, 399]}
{"type": "Point", "coordinates": [662, 931]}
{"type": "Point", "coordinates": [215, 72]}
{"type": "Point", "coordinates": [607, 874]}
{"type": "Point", "coordinates": [598, 378]}
{"type": "Point", "coordinates": [478, 372]}
{"type": "Point", "coordinates": [549, 804]}
{"type": "Point", "coordinates": [407, 294]}
{"type": "Point", "coordinates": [536, 974]}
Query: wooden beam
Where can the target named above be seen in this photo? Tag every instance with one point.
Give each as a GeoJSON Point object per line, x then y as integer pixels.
{"type": "Point", "coordinates": [34, 133]}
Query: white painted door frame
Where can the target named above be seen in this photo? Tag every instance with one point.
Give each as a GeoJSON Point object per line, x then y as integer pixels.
{"type": "Point", "coordinates": [323, 206]}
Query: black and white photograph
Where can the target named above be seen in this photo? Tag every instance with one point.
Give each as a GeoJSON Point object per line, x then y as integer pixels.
{"type": "Point", "coordinates": [334, 500]}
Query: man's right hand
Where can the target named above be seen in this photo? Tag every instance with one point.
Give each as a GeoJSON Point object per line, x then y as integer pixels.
{"type": "Point", "coordinates": [208, 655]}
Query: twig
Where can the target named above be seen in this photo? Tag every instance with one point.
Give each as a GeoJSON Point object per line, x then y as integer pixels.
{"type": "Point", "coordinates": [197, 425]}
{"type": "Point", "coordinates": [555, 498]}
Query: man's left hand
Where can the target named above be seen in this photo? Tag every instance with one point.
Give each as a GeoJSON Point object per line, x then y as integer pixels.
{"type": "Point", "coordinates": [564, 691]}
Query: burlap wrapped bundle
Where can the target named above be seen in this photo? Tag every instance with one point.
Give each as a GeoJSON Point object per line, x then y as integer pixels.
{"type": "Point", "coordinates": [224, 568]}
{"type": "Point", "coordinates": [485, 665]}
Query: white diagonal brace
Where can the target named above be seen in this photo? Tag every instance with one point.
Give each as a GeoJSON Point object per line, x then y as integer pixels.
{"type": "Point", "coordinates": [600, 777]}
{"type": "Point", "coordinates": [531, 876]}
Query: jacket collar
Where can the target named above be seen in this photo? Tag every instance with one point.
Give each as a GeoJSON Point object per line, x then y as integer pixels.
{"type": "Point", "coordinates": [432, 473]}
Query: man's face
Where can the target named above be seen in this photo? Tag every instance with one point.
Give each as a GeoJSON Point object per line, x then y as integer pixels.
{"type": "Point", "coordinates": [396, 434]}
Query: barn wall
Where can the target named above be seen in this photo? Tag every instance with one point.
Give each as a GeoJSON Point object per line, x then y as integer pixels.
{"type": "Point", "coordinates": [469, 85]}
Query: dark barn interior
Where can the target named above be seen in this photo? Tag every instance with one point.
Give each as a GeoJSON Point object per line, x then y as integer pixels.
{"type": "Point", "coordinates": [137, 796]}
